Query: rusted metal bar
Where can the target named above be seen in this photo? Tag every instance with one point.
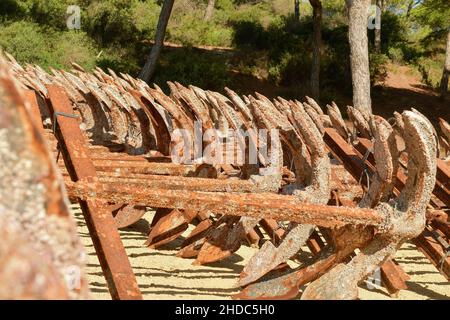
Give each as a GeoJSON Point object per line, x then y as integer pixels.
{"type": "Point", "coordinates": [184, 183]}
{"type": "Point", "coordinates": [393, 277]}
{"type": "Point", "coordinates": [272, 228]}
{"type": "Point", "coordinates": [261, 205]}
{"type": "Point", "coordinates": [344, 152]}
{"type": "Point", "coordinates": [443, 178]}
{"type": "Point", "coordinates": [442, 226]}
{"type": "Point", "coordinates": [108, 245]}
{"type": "Point", "coordinates": [128, 168]}
{"type": "Point", "coordinates": [315, 243]}
{"type": "Point", "coordinates": [434, 252]}
{"type": "Point", "coordinates": [287, 286]}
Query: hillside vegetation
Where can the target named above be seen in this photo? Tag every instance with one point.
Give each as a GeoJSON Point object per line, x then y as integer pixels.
{"type": "Point", "coordinates": [261, 44]}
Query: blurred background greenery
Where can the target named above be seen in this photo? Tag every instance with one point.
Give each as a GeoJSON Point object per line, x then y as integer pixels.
{"type": "Point", "coordinates": [248, 44]}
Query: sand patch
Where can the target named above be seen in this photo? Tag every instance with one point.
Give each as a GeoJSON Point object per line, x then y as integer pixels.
{"type": "Point", "coordinates": [162, 275]}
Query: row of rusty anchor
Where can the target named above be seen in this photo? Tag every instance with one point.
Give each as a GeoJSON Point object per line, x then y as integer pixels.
{"type": "Point", "coordinates": [41, 255]}
{"type": "Point", "coordinates": [227, 230]}
{"type": "Point", "coordinates": [110, 116]}
{"type": "Point", "coordinates": [268, 115]}
{"type": "Point", "coordinates": [375, 249]}
{"type": "Point", "coordinates": [360, 133]}
{"type": "Point", "coordinates": [82, 89]}
{"type": "Point", "coordinates": [434, 242]}
{"type": "Point", "coordinates": [102, 228]}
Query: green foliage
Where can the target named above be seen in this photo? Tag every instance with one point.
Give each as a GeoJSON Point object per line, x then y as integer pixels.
{"type": "Point", "coordinates": [395, 54]}
{"type": "Point", "coordinates": [378, 70]}
{"type": "Point", "coordinates": [269, 44]}
{"type": "Point", "coordinates": [111, 21]}
{"type": "Point", "coordinates": [14, 8]}
{"type": "Point", "coordinates": [430, 69]}
{"type": "Point", "coordinates": [29, 42]}
{"type": "Point", "coordinates": [191, 66]}
{"type": "Point", "coordinates": [191, 30]}
{"type": "Point", "coordinates": [145, 16]}
{"type": "Point", "coordinates": [50, 12]}
{"type": "Point", "coordinates": [434, 13]}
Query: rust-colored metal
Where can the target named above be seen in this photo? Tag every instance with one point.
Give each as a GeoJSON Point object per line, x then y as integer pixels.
{"type": "Point", "coordinates": [267, 205]}
{"type": "Point", "coordinates": [428, 244]}
{"type": "Point", "coordinates": [389, 271]}
{"type": "Point", "coordinates": [254, 236]}
{"type": "Point", "coordinates": [183, 183]}
{"type": "Point", "coordinates": [198, 232]}
{"type": "Point", "coordinates": [169, 227]}
{"type": "Point", "coordinates": [442, 187]}
{"type": "Point", "coordinates": [393, 277]}
{"type": "Point", "coordinates": [123, 114]}
{"type": "Point", "coordinates": [35, 261]}
{"type": "Point", "coordinates": [128, 215]}
{"type": "Point", "coordinates": [432, 249]}
{"type": "Point", "coordinates": [218, 244]}
{"type": "Point", "coordinates": [112, 256]}
{"type": "Point", "coordinates": [272, 228]}
{"type": "Point", "coordinates": [287, 286]}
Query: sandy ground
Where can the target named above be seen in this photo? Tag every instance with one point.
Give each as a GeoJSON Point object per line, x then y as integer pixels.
{"type": "Point", "coordinates": [162, 275]}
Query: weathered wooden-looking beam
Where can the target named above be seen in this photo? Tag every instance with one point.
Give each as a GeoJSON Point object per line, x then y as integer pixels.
{"type": "Point", "coordinates": [108, 245]}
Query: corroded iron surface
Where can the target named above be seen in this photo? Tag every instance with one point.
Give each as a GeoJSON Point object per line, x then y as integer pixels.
{"type": "Point", "coordinates": [295, 193]}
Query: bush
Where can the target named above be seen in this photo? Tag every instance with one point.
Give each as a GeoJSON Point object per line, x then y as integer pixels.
{"type": "Point", "coordinates": [377, 68]}
{"type": "Point", "coordinates": [74, 46]}
{"type": "Point", "coordinates": [51, 13]}
{"type": "Point", "coordinates": [191, 30]}
{"type": "Point", "coordinates": [111, 21]}
{"type": "Point", "coordinates": [431, 69]}
{"type": "Point", "coordinates": [121, 59]}
{"type": "Point", "coordinates": [249, 33]}
{"type": "Point", "coordinates": [31, 43]}
{"type": "Point", "coordinates": [396, 55]}
{"type": "Point", "coordinates": [292, 69]}
{"type": "Point", "coordinates": [191, 66]}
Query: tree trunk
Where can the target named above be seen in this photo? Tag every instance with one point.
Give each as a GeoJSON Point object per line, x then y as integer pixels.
{"type": "Point", "coordinates": [446, 71]}
{"type": "Point", "coordinates": [317, 43]}
{"type": "Point", "coordinates": [297, 9]}
{"type": "Point", "coordinates": [149, 68]}
{"type": "Point", "coordinates": [209, 10]}
{"type": "Point", "coordinates": [408, 10]}
{"type": "Point", "coordinates": [378, 28]}
{"type": "Point", "coordinates": [359, 53]}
